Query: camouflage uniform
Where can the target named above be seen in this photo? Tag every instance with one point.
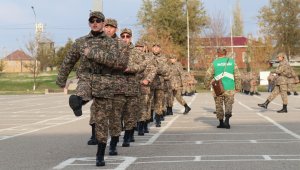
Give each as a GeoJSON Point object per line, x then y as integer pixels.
{"type": "Point", "coordinates": [292, 82]}
{"type": "Point", "coordinates": [158, 85]}
{"type": "Point", "coordinates": [283, 72]}
{"type": "Point", "coordinates": [99, 57]}
{"type": "Point", "coordinates": [177, 84]}
{"type": "Point", "coordinates": [145, 68]}
{"type": "Point", "coordinates": [254, 81]}
{"type": "Point", "coordinates": [227, 97]}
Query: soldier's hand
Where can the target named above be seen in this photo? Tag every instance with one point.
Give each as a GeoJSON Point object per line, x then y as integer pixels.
{"type": "Point", "coordinates": [145, 82]}
{"type": "Point", "coordinates": [86, 51]}
{"type": "Point", "coordinates": [127, 70]}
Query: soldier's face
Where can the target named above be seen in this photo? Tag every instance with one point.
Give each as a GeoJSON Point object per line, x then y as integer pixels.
{"type": "Point", "coordinates": [156, 49]}
{"type": "Point", "coordinates": [96, 24]}
{"type": "Point", "coordinates": [110, 30]}
{"type": "Point", "coordinates": [279, 58]}
{"type": "Point", "coordinates": [126, 38]}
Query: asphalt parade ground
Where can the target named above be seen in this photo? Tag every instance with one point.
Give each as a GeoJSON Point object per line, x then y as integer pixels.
{"type": "Point", "coordinates": [39, 132]}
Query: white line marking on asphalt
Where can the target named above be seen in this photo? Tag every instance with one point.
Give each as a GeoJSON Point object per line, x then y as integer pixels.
{"type": "Point", "coordinates": [126, 162]}
{"type": "Point", "coordinates": [253, 141]}
{"type": "Point", "coordinates": [273, 122]}
{"type": "Point", "coordinates": [267, 157]}
{"type": "Point", "coordinates": [197, 158]}
{"type": "Point", "coordinates": [45, 127]}
{"type": "Point", "coordinates": [156, 136]}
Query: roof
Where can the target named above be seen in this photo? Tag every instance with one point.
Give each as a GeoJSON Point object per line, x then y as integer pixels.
{"type": "Point", "coordinates": [226, 41]}
{"type": "Point", "coordinates": [18, 55]}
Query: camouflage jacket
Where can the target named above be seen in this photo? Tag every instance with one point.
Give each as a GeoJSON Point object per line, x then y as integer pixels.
{"type": "Point", "coordinates": [176, 75]}
{"type": "Point", "coordinates": [78, 52]}
{"type": "Point", "coordinates": [210, 75]}
{"type": "Point", "coordinates": [283, 72]}
{"type": "Point", "coordinates": [163, 71]}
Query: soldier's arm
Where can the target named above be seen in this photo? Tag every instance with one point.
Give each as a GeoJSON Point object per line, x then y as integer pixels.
{"type": "Point", "coordinates": [209, 76]}
{"type": "Point", "coordinates": [111, 56]}
{"type": "Point", "coordinates": [237, 78]}
{"type": "Point", "coordinates": [150, 72]}
{"type": "Point", "coordinates": [68, 64]}
{"type": "Point", "coordinates": [135, 63]}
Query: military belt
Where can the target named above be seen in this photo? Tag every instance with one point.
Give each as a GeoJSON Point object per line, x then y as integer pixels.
{"type": "Point", "coordinates": [100, 70]}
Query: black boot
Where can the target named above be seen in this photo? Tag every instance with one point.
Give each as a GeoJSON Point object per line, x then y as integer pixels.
{"type": "Point", "coordinates": [113, 145]}
{"type": "Point", "coordinates": [221, 125]}
{"type": "Point", "coordinates": [100, 154]}
{"type": "Point", "coordinates": [132, 135]}
{"type": "Point", "coordinates": [157, 120]}
{"type": "Point", "coordinates": [146, 130]}
{"type": "Point", "coordinates": [256, 93]}
{"type": "Point", "coordinates": [76, 103]}
{"type": "Point", "coordinates": [251, 93]}
{"type": "Point", "coordinates": [288, 93]}
{"type": "Point", "coordinates": [295, 93]}
{"type": "Point", "coordinates": [141, 128]}
{"type": "Point", "coordinates": [126, 138]}
{"type": "Point", "coordinates": [162, 117]}
{"type": "Point", "coordinates": [265, 104]}
{"type": "Point", "coordinates": [152, 114]}
{"type": "Point", "coordinates": [226, 123]}
{"type": "Point", "coordinates": [93, 140]}
{"type": "Point", "coordinates": [283, 110]}
{"type": "Point", "coordinates": [170, 110]}
{"type": "Point", "coordinates": [187, 109]}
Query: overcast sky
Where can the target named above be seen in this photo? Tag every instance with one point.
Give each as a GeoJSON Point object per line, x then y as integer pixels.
{"type": "Point", "coordinates": [65, 19]}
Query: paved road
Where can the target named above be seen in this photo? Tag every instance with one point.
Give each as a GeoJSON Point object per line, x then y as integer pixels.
{"type": "Point", "coordinates": [40, 132]}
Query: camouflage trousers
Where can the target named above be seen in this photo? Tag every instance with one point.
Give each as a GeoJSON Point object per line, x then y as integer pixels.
{"type": "Point", "coordinates": [106, 119]}
{"type": "Point", "coordinates": [145, 103]}
{"type": "Point", "coordinates": [253, 88]}
{"type": "Point", "coordinates": [292, 87]}
{"type": "Point", "coordinates": [282, 89]}
{"type": "Point", "coordinates": [179, 98]}
{"type": "Point", "coordinates": [169, 98]}
{"type": "Point", "coordinates": [158, 99]}
{"type": "Point", "coordinates": [84, 90]}
{"type": "Point", "coordinates": [131, 112]}
{"type": "Point", "coordinates": [92, 114]}
{"type": "Point", "coordinates": [224, 100]}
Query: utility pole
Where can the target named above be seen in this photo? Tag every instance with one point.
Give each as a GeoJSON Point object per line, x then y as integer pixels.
{"type": "Point", "coordinates": [188, 36]}
{"type": "Point", "coordinates": [35, 51]}
{"type": "Point", "coordinates": [97, 5]}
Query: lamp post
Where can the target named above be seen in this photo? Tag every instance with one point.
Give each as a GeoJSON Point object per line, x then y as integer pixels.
{"type": "Point", "coordinates": [35, 50]}
{"type": "Point", "coordinates": [188, 35]}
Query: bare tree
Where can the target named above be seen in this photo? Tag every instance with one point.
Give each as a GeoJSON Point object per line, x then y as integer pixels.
{"type": "Point", "coordinates": [238, 26]}
{"type": "Point", "coordinates": [32, 47]}
{"type": "Point", "coordinates": [2, 65]}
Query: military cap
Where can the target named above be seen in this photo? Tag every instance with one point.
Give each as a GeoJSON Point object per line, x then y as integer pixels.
{"type": "Point", "coordinates": [111, 22]}
{"type": "Point", "coordinates": [172, 56]}
{"type": "Point", "coordinates": [140, 43]}
{"type": "Point", "coordinates": [97, 14]}
{"type": "Point", "coordinates": [156, 44]}
{"type": "Point", "coordinates": [126, 30]}
{"type": "Point", "coordinates": [221, 50]}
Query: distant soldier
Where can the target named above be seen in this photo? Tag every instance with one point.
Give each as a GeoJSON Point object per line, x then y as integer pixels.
{"type": "Point", "coordinates": [292, 83]}
{"type": "Point", "coordinates": [271, 81]}
{"type": "Point", "coordinates": [158, 83]}
{"type": "Point", "coordinates": [246, 83]}
{"type": "Point", "coordinates": [177, 83]}
{"type": "Point", "coordinates": [224, 68]}
{"type": "Point", "coordinates": [132, 105]}
{"type": "Point", "coordinates": [283, 72]}
{"type": "Point", "coordinates": [254, 82]}
{"type": "Point", "coordinates": [146, 70]}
